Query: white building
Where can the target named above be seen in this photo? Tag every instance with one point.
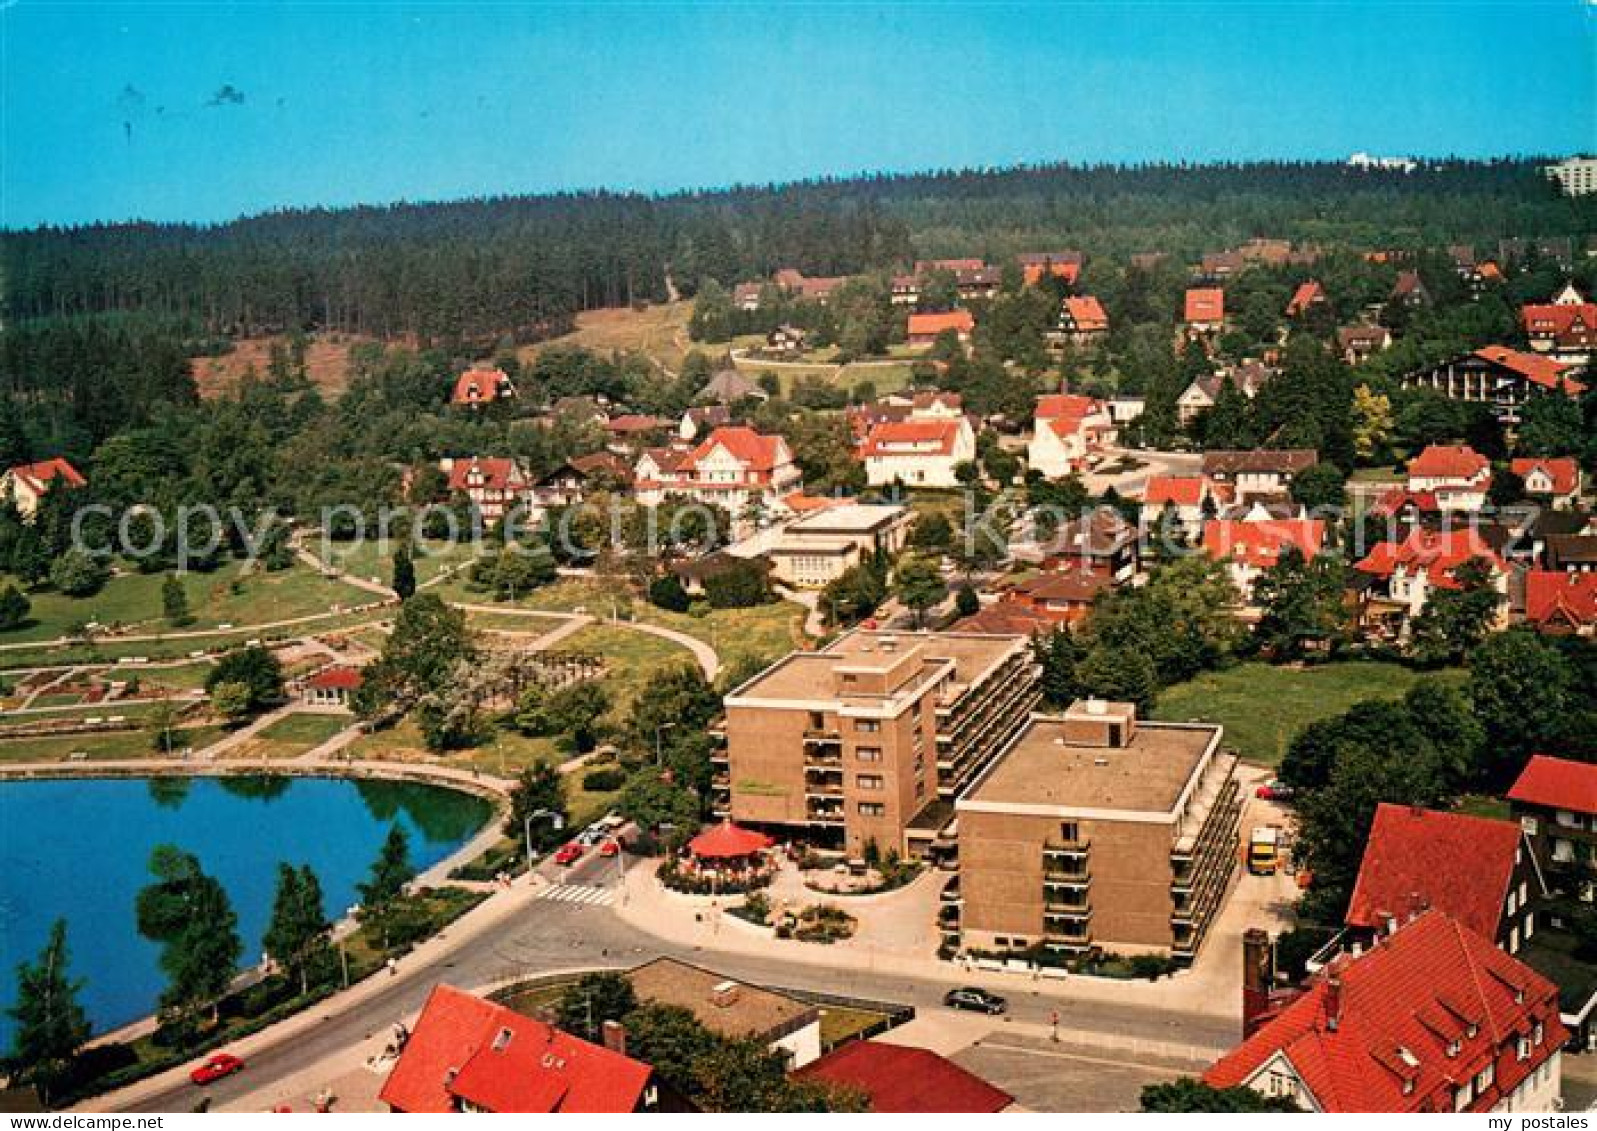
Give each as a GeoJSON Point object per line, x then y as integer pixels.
{"type": "Point", "coordinates": [1576, 176]}
{"type": "Point", "coordinates": [919, 452]}
{"type": "Point", "coordinates": [1066, 430]}
{"type": "Point", "coordinates": [816, 549]}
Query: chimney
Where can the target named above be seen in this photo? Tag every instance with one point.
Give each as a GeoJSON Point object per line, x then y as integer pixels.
{"type": "Point", "coordinates": [1258, 978]}
{"type": "Point", "coordinates": [614, 1035]}
{"type": "Point", "coordinates": [1333, 1002]}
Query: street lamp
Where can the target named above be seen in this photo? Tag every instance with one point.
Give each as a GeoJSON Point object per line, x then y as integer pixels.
{"type": "Point", "coordinates": [556, 822]}
{"type": "Point", "coordinates": [658, 731]}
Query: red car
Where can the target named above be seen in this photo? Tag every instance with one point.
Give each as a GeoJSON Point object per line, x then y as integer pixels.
{"type": "Point", "coordinates": [218, 1066]}
{"type": "Point", "coordinates": [609, 849]}
{"type": "Point", "coordinates": [1276, 790]}
{"type": "Point", "coordinates": [569, 854]}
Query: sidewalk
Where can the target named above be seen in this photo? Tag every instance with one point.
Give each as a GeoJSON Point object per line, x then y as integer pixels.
{"type": "Point", "coordinates": [896, 933]}
{"type": "Point", "coordinates": [488, 916]}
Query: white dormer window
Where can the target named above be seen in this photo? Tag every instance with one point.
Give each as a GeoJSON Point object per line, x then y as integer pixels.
{"type": "Point", "coordinates": [1522, 1049]}
{"type": "Point", "coordinates": [1538, 1034]}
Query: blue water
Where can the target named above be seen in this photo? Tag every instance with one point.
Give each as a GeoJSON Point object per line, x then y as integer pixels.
{"type": "Point", "coordinates": [81, 849]}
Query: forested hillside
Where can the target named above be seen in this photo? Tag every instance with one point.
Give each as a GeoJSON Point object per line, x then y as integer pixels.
{"type": "Point", "coordinates": [520, 266]}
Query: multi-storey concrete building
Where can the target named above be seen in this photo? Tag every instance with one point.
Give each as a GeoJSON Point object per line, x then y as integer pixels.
{"type": "Point", "coordinates": [1093, 828]}
{"type": "Point", "coordinates": [869, 740]}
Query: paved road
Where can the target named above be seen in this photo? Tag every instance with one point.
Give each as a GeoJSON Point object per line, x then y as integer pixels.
{"type": "Point", "coordinates": [553, 935]}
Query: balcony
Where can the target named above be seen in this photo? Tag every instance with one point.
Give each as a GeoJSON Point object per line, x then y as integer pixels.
{"type": "Point", "coordinates": [950, 894]}
{"type": "Point", "coordinates": [823, 789]}
{"type": "Point", "coordinates": [1076, 905]}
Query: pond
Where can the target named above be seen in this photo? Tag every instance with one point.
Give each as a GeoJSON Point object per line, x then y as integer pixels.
{"type": "Point", "coordinates": [80, 850]}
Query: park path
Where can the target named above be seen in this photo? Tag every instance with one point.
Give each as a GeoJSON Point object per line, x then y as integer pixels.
{"type": "Point", "coordinates": [706, 656]}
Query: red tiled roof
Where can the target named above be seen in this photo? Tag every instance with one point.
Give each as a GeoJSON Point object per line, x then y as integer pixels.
{"type": "Point", "coordinates": [1006, 619]}
{"type": "Point", "coordinates": [1554, 595]}
{"type": "Point", "coordinates": [1182, 490]}
{"type": "Point", "coordinates": [1055, 586]}
{"type": "Point", "coordinates": [1420, 858]}
{"type": "Point", "coordinates": [758, 452]}
{"type": "Point", "coordinates": [476, 386]}
{"type": "Point", "coordinates": [1086, 313]}
{"type": "Point", "coordinates": [1437, 553]}
{"type": "Point", "coordinates": [1306, 293]}
{"type": "Point", "coordinates": [1557, 783]}
{"type": "Point", "coordinates": [727, 841]}
{"type": "Point", "coordinates": [1535, 368]}
{"type": "Point", "coordinates": [1571, 325]}
{"type": "Point", "coordinates": [466, 1049]}
{"type": "Point", "coordinates": [1260, 544]}
{"type": "Point", "coordinates": [1373, 1032]}
{"type": "Point", "coordinates": [890, 437]}
{"type": "Point", "coordinates": [1563, 471]}
{"type": "Point", "coordinates": [336, 678]}
{"type": "Point", "coordinates": [40, 475]}
{"type": "Point", "coordinates": [498, 473]}
{"type": "Point", "coordinates": [1052, 406]}
{"type": "Point", "coordinates": [908, 1080]}
{"type": "Point", "coordinates": [1205, 304]}
{"type": "Point", "coordinates": [930, 325]}
{"type": "Point", "coordinates": [1442, 461]}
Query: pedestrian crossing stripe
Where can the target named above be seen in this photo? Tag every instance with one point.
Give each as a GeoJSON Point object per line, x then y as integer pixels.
{"type": "Point", "coordinates": [578, 893]}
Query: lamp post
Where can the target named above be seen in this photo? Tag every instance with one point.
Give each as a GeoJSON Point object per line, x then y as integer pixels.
{"type": "Point", "coordinates": [658, 731]}
{"type": "Point", "coordinates": [556, 822]}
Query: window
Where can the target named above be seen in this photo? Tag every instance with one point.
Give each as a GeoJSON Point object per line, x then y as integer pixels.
{"type": "Point", "coordinates": [1530, 925]}
{"type": "Point", "coordinates": [871, 809]}
{"type": "Point", "coordinates": [869, 753]}
{"type": "Point", "coordinates": [1484, 1078]}
{"type": "Point", "coordinates": [867, 726]}
{"type": "Point", "coordinates": [1522, 1049]}
{"type": "Point", "coordinates": [1537, 1034]}
{"type": "Point", "coordinates": [1281, 1084]}
{"type": "Point", "coordinates": [1567, 820]}
{"type": "Point", "coordinates": [1069, 832]}
{"type": "Point", "coordinates": [1462, 1097]}
{"type": "Point", "coordinates": [1513, 903]}
{"type": "Point", "coordinates": [1524, 893]}
{"type": "Point", "coordinates": [1529, 825]}
{"type": "Point", "coordinates": [868, 781]}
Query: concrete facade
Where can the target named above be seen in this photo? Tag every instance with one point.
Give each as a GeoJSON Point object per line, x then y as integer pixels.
{"type": "Point", "coordinates": [1094, 829]}
{"type": "Point", "coordinates": [850, 745]}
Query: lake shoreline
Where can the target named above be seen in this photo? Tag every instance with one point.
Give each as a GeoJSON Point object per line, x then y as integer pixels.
{"type": "Point", "coordinates": [487, 788]}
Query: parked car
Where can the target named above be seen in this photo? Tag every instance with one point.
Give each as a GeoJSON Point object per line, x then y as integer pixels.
{"type": "Point", "coordinates": [977, 1001]}
{"type": "Point", "coordinates": [219, 1065]}
{"type": "Point", "coordinates": [1275, 790]}
{"type": "Point", "coordinates": [609, 848]}
{"type": "Point", "coordinates": [569, 853]}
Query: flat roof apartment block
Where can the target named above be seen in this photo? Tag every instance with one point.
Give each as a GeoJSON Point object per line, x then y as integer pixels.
{"type": "Point", "coordinates": [1096, 829]}
{"type": "Point", "coordinates": [848, 745]}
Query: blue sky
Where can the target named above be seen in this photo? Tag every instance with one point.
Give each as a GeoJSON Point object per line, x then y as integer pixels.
{"type": "Point", "coordinates": [206, 111]}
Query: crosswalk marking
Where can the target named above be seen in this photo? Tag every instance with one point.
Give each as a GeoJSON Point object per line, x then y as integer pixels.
{"type": "Point", "coordinates": [579, 893]}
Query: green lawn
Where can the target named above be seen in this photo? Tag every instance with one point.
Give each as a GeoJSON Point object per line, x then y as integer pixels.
{"type": "Point", "coordinates": [765, 632]}
{"type": "Point", "coordinates": [1263, 707]}
{"type": "Point", "coordinates": [372, 559]}
{"type": "Point", "coordinates": [132, 601]}
{"type": "Point", "coordinates": [103, 747]}
{"type": "Point", "coordinates": [106, 649]}
{"type": "Point", "coordinates": [292, 736]}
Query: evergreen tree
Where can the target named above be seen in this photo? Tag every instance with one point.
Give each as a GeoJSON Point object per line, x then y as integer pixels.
{"type": "Point", "coordinates": [1228, 426]}
{"type": "Point", "coordinates": [175, 602]}
{"type": "Point", "coordinates": [1058, 654]}
{"type": "Point", "coordinates": [14, 608]}
{"type": "Point", "coordinates": [297, 933]}
{"type": "Point", "coordinates": [50, 1023]}
{"type": "Point", "coordinates": [391, 871]}
{"type": "Point", "coordinates": [188, 913]}
{"type": "Point", "coordinates": [404, 574]}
